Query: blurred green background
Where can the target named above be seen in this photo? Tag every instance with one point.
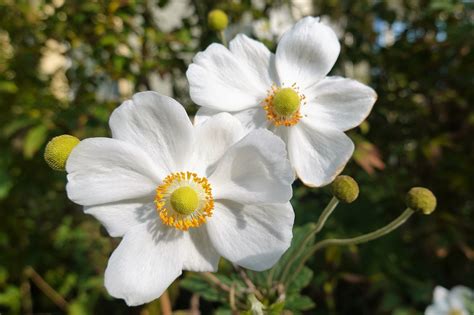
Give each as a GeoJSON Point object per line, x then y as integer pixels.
{"type": "Point", "coordinates": [65, 65]}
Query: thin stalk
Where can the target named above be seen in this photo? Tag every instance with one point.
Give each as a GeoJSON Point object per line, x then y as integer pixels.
{"type": "Point", "coordinates": [222, 38]}
{"type": "Point", "coordinates": [210, 278]}
{"type": "Point", "coordinates": [317, 228]}
{"type": "Point", "coordinates": [52, 294]}
{"type": "Point", "coordinates": [356, 240]}
{"type": "Point", "coordinates": [165, 304]}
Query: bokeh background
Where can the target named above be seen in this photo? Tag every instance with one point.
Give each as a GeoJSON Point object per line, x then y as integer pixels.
{"type": "Point", "coordinates": [65, 65]}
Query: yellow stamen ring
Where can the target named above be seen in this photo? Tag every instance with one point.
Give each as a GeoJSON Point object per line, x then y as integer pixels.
{"type": "Point", "coordinates": [283, 105]}
{"type": "Point", "coordinates": [184, 200]}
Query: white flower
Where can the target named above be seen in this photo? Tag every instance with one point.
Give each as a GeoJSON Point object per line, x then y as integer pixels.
{"type": "Point", "coordinates": [181, 196]}
{"type": "Point", "coordinates": [450, 302]}
{"type": "Point", "coordinates": [171, 15]}
{"type": "Point", "coordinates": [279, 21]}
{"type": "Point", "coordinates": [287, 92]}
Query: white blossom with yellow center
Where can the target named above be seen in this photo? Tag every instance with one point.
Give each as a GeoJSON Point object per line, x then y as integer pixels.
{"type": "Point", "coordinates": [180, 195]}
{"type": "Point", "coordinates": [450, 302]}
{"type": "Point", "coordinates": [288, 93]}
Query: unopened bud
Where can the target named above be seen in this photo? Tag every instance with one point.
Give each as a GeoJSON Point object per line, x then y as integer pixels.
{"type": "Point", "coordinates": [421, 199]}
{"type": "Point", "coordinates": [345, 188]}
{"type": "Point", "coordinates": [217, 20]}
{"type": "Point", "coordinates": [57, 151]}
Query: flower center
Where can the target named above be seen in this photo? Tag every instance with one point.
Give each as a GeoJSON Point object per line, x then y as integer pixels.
{"type": "Point", "coordinates": [184, 200]}
{"type": "Point", "coordinates": [283, 105]}
{"type": "Point", "coordinates": [286, 102]}
{"type": "Point", "coordinates": [455, 312]}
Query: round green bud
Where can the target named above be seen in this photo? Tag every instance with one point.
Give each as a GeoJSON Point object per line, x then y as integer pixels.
{"type": "Point", "coordinates": [217, 20]}
{"type": "Point", "coordinates": [286, 102]}
{"type": "Point", "coordinates": [58, 150]}
{"type": "Point", "coordinates": [421, 199]}
{"type": "Point", "coordinates": [184, 200]}
{"type": "Point", "coordinates": [345, 188]}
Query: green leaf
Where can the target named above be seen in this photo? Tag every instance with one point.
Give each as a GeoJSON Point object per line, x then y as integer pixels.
{"type": "Point", "coordinates": [299, 235]}
{"type": "Point", "coordinates": [194, 283]}
{"type": "Point", "coordinates": [5, 184]}
{"type": "Point", "coordinates": [299, 303]}
{"type": "Point", "coordinates": [8, 87]}
{"type": "Point", "coordinates": [302, 279]}
{"type": "Point", "coordinates": [15, 125]}
{"type": "Point", "coordinates": [34, 139]}
{"type": "Point", "coordinates": [10, 298]}
{"type": "Point", "coordinates": [276, 308]}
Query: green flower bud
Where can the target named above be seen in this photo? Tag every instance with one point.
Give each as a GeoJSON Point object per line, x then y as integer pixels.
{"type": "Point", "coordinates": [345, 189]}
{"type": "Point", "coordinates": [57, 151]}
{"type": "Point", "coordinates": [217, 20]}
{"type": "Point", "coordinates": [421, 199]}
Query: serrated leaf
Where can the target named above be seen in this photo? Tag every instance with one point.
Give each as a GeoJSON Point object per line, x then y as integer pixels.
{"type": "Point", "coordinates": [34, 139]}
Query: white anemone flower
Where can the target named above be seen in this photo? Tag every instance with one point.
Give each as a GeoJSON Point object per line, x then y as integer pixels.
{"type": "Point", "coordinates": [181, 196]}
{"type": "Point", "coordinates": [452, 302]}
{"type": "Point", "coordinates": [287, 92]}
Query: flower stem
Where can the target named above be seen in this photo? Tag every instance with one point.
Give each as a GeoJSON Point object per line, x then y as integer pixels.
{"type": "Point", "coordinates": [222, 38]}
{"type": "Point", "coordinates": [356, 240]}
{"type": "Point", "coordinates": [317, 228]}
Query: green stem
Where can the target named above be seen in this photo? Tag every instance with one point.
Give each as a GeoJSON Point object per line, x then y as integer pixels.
{"type": "Point", "coordinates": [222, 38]}
{"type": "Point", "coordinates": [356, 240]}
{"type": "Point", "coordinates": [319, 225]}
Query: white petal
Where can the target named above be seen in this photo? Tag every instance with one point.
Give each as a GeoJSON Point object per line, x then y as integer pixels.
{"type": "Point", "coordinates": [318, 155]}
{"type": "Point", "coordinates": [458, 296]}
{"type": "Point", "coordinates": [254, 170]}
{"type": "Point", "coordinates": [219, 80]}
{"type": "Point", "coordinates": [306, 53]}
{"type": "Point", "coordinates": [251, 236]}
{"type": "Point", "coordinates": [440, 298]}
{"type": "Point", "coordinates": [151, 256]}
{"type": "Point", "coordinates": [103, 170]}
{"type": "Point", "coordinates": [145, 264]}
{"type": "Point", "coordinates": [157, 124]}
{"type": "Point", "coordinates": [260, 61]}
{"type": "Point", "coordinates": [200, 255]}
{"type": "Point", "coordinates": [203, 114]}
{"type": "Point", "coordinates": [434, 310]}
{"type": "Point", "coordinates": [119, 217]}
{"type": "Point", "coordinates": [252, 118]}
{"type": "Point", "coordinates": [339, 103]}
{"type": "Point", "coordinates": [212, 139]}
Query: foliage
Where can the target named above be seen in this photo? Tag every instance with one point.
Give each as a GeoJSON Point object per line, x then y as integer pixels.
{"type": "Point", "coordinates": [65, 65]}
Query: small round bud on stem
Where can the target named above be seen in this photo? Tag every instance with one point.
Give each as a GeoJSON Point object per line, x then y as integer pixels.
{"type": "Point", "coordinates": [421, 199]}
{"type": "Point", "coordinates": [217, 20]}
{"type": "Point", "coordinates": [57, 151]}
{"type": "Point", "coordinates": [345, 189]}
